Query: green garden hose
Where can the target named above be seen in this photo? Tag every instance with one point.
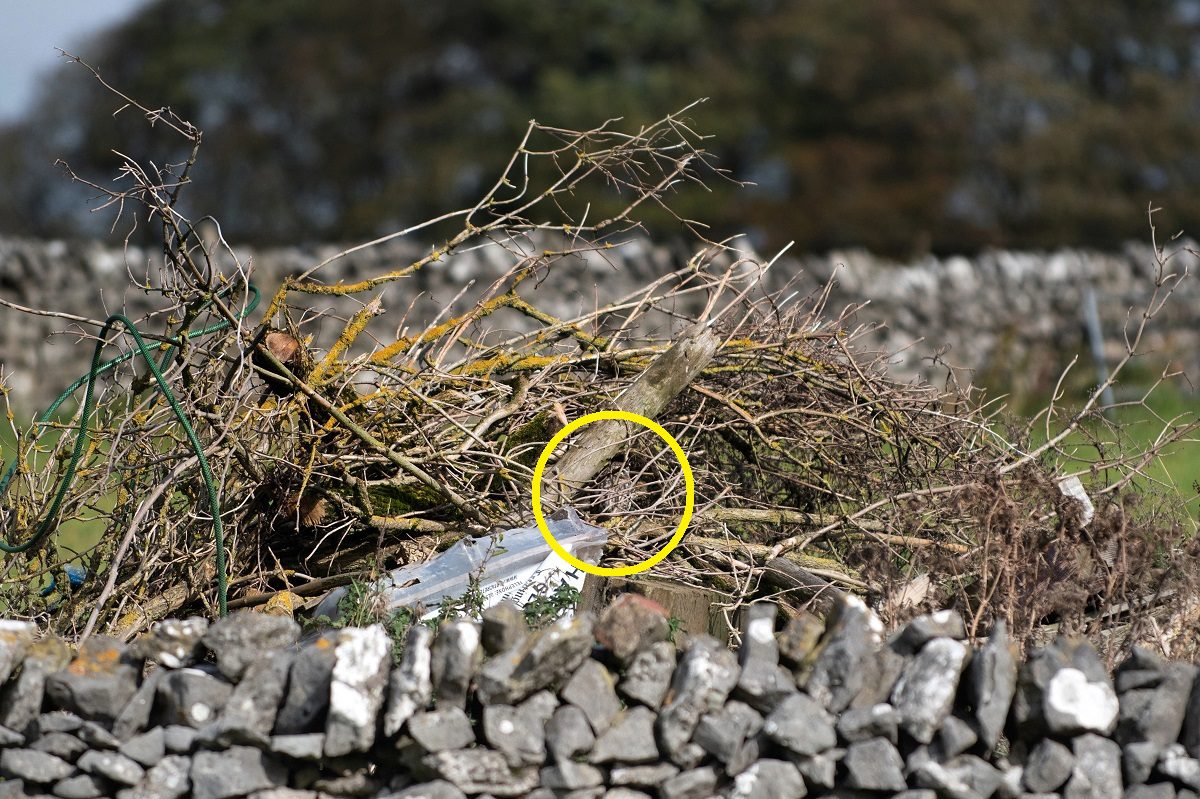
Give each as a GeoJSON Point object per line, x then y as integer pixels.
{"type": "Point", "coordinates": [48, 521]}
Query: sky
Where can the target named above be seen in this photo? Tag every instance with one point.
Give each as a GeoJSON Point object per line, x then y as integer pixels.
{"type": "Point", "coordinates": [31, 29]}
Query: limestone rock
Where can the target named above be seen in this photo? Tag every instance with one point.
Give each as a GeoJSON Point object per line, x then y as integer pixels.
{"type": "Point", "coordinates": [411, 685]}
{"type": "Point", "coordinates": [538, 662]}
{"type": "Point", "coordinates": [362, 658]}
{"type": "Point", "coordinates": [925, 692]}
{"type": "Point", "coordinates": [631, 623]}
{"type": "Point", "coordinates": [455, 656]}
{"type": "Point", "coordinates": [244, 636]}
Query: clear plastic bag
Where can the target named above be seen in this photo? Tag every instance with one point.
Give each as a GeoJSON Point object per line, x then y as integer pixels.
{"type": "Point", "coordinates": [516, 564]}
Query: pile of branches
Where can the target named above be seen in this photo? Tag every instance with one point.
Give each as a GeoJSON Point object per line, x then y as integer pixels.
{"type": "Point", "coordinates": [342, 444]}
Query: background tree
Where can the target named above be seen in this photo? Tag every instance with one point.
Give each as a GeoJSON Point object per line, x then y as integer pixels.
{"type": "Point", "coordinates": [946, 125]}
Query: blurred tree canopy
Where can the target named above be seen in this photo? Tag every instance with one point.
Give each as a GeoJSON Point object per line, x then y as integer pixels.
{"type": "Point", "coordinates": [944, 125]}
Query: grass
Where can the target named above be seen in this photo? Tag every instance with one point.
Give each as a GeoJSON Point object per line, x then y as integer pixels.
{"type": "Point", "coordinates": [73, 535]}
{"type": "Point", "coordinates": [1132, 426]}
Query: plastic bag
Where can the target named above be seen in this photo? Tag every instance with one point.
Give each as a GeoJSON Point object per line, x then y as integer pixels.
{"type": "Point", "coordinates": [516, 564]}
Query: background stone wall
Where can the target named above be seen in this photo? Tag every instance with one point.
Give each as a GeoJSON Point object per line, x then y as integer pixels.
{"type": "Point", "coordinates": [1011, 316]}
{"type": "Point", "coordinates": [589, 708]}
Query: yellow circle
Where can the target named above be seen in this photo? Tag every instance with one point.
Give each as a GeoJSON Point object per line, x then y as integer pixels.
{"type": "Point", "coordinates": [689, 501]}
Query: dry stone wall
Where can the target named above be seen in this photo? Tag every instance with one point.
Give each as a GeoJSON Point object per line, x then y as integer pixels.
{"type": "Point", "coordinates": [1000, 311]}
{"type": "Point", "coordinates": [589, 708]}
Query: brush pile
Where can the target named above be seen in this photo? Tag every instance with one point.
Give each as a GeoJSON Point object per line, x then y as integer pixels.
{"type": "Point", "coordinates": [343, 443]}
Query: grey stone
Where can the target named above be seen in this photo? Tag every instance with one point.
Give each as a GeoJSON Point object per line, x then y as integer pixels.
{"type": "Point", "coordinates": [571, 776]}
{"type": "Point", "coordinates": [455, 657]}
{"type": "Point", "coordinates": [591, 689]}
{"type": "Point", "coordinates": [179, 740]}
{"type": "Point", "coordinates": [173, 643]}
{"type": "Point", "coordinates": [644, 776]}
{"type": "Point", "coordinates": [990, 682]}
{"type": "Point", "coordinates": [915, 793]}
{"type": "Point", "coordinates": [847, 657]}
{"type": "Point", "coordinates": [147, 748]}
{"type": "Point", "coordinates": [235, 772]}
{"type": "Point", "coordinates": [356, 782]}
{"type": "Point", "coordinates": [909, 639]}
{"type": "Point", "coordinates": [1064, 689]}
{"type": "Point", "coordinates": [440, 730]}
{"type": "Point", "coordinates": [356, 689]}
{"type": "Point", "coordinates": [285, 793]}
{"type": "Point", "coordinates": [697, 783]}
{"type": "Point", "coordinates": [538, 662]}
{"type": "Point", "coordinates": [631, 623]}
{"type": "Point", "coordinates": [706, 674]}
{"type": "Point", "coordinates": [10, 737]}
{"type": "Point", "coordinates": [748, 753]}
{"type": "Point", "coordinates": [625, 793]}
{"type": "Point", "coordinates": [476, 771]}
{"type": "Point", "coordinates": [963, 777]}
{"type": "Point", "coordinates": [1048, 766]}
{"type": "Point", "coordinates": [520, 732]}
{"type": "Point", "coordinates": [568, 733]}
{"type": "Point", "coordinates": [1190, 734]}
{"type": "Point", "coordinates": [1138, 760]}
{"type": "Point", "coordinates": [166, 779]}
{"type": "Point", "coordinates": [307, 700]}
{"type": "Point", "coordinates": [60, 744]}
{"type": "Point", "coordinates": [925, 692]}
{"type": "Point", "coordinates": [21, 699]}
{"type": "Point", "coordinates": [244, 636]}
{"type": "Point", "coordinates": [1159, 790]}
{"type": "Point", "coordinates": [33, 766]}
{"type": "Point", "coordinates": [648, 676]}
{"type": "Point", "coordinates": [859, 724]}
{"type": "Point", "coordinates": [96, 736]}
{"type": "Point", "coordinates": [820, 770]}
{"type": "Point", "coordinates": [874, 765]}
{"type": "Point", "coordinates": [629, 740]}
{"type": "Point", "coordinates": [954, 737]}
{"type": "Point", "coordinates": [15, 638]}
{"type": "Point", "coordinates": [301, 746]}
{"type": "Point", "coordinates": [1097, 771]}
{"type": "Point", "coordinates": [504, 628]}
{"type": "Point", "coordinates": [799, 639]}
{"type": "Point", "coordinates": [13, 789]}
{"type": "Point", "coordinates": [111, 765]}
{"type": "Point", "coordinates": [801, 726]}
{"type": "Point", "coordinates": [250, 711]}
{"type": "Point", "coordinates": [768, 779]}
{"type": "Point", "coordinates": [1010, 781]}
{"type": "Point", "coordinates": [884, 672]}
{"type": "Point", "coordinates": [57, 721]}
{"type": "Point", "coordinates": [136, 714]}
{"type": "Point", "coordinates": [722, 732]}
{"type": "Point", "coordinates": [191, 697]}
{"type": "Point", "coordinates": [762, 683]}
{"type": "Point", "coordinates": [81, 786]}
{"type": "Point", "coordinates": [438, 789]}
{"type": "Point", "coordinates": [1175, 763]}
{"type": "Point", "coordinates": [410, 687]}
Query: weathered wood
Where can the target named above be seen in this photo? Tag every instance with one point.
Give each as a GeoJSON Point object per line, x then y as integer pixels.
{"type": "Point", "coordinates": [600, 441]}
{"type": "Point", "coordinates": [785, 574]}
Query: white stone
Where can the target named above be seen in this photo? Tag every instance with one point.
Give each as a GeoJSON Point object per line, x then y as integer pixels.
{"type": "Point", "coordinates": [1073, 704]}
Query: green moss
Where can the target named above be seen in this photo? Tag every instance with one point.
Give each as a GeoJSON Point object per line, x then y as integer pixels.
{"type": "Point", "coordinates": [390, 499]}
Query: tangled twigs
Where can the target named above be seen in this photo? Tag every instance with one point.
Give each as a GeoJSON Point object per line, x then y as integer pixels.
{"type": "Point", "coordinates": [343, 447]}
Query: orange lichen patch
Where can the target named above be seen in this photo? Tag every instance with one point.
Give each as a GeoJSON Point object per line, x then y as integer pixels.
{"type": "Point", "coordinates": [323, 643]}
{"type": "Point", "coordinates": [101, 659]}
{"type": "Point", "coordinates": [283, 603]}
